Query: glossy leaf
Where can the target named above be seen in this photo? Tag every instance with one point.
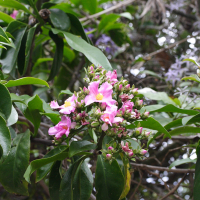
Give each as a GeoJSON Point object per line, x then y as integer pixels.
{"type": "Point", "coordinates": [93, 54]}
{"type": "Point", "coordinates": [32, 113]}
{"type": "Point", "coordinates": [77, 28]}
{"type": "Point", "coordinates": [14, 166]}
{"type": "Point", "coordinates": [14, 4]}
{"type": "Point", "coordinates": [6, 18]}
{"type": "Point", "coordinates": [41, 60]}
{"type": "Point", "coordinates": [5, 138]}
{"type": "Point", "coordinates": [29, 42]}
{"type": "Point", "coordinates": [54, 181]}
{"type": "Point", "coordinates": [151, 123]}
{"type": "Point", "coordinates": [66, 186]}
{"type": "Point", "coordinates": [60, 20]}
{"type": "Point", "coordinates": [192, 77]}
{"type": "Point", "coordinates": [168, 108]}
{"type": "Point", "coordinates": [54, 117]}
{"type": "Point", "coordinates": [190, 119]}
{"type": "Point", "coordinates": [109, 180]}
{"type": "Point", "coordinates": [197, 178]}
{"type": "Point", "coordinates": [134, 144]}
{"type": "Point", "coordinates": [65, 92]}
{"type": "Point", "coordinates": [188, 130]}
{"type": "Point", "coordinates": [191, 60]}
{"type": "Point", "coordinates": [90, 5]}
{"type": "Point", "coordinates": [5, 102]}
{"type": "Point", "coordinates": [13, 117]}
{"type": "Point", "coordinates": [54, 155]}
{"type": "Point", "coordinates": [57, 60]}
{"type": "Point", "coordinates": [13, 26]}
{"type": "Point", "coordinates": [83, 182]}
{"type": "Point", "coordinates": [26, 81]}
{"type": "Point", "coordinates": [7, 63]}
{"type": "Point", "coordinates": [80, 146]}
{"type": "Point", "coordinates": [180, 162]}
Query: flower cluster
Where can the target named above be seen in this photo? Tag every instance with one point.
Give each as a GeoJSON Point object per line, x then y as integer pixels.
{"type": "Point", "coordinates": [107, 106]}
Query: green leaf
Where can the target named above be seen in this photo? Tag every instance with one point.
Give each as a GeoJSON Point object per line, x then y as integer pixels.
{"type": "Point", "coordinates": [191, 119]}
{"type": "Point", "coordinates": [14, 166]}
{"type": "Point", "coordinates": [5, 138]}
{"type": "Point", "coordinates": [54, 117]}
{"type": "Point", "coordinates": [6, 18]}
{"type": "Point", "coordinates": [93, 54]}
{"type": "Point", "coordinates": [197, 178]}
{"type": "Point", "coordinates": [26, 81]}
{"type": "Point", "coordinates": [151, 123]}
{"type": "Point", "coordinates": [180, 162]}
{"type": "Point", "coordinates": [77, 27]}
{"type": "Point", "coordinates": [192, 77]}
{"type": "Point", "coordinates": [54, 181]}
{"type": "Point", "coordinates": [126, 15]}
{"type": "Point", "coordinates": [90, 5]}
{"type": "Point", "coordinates": [191, 60]}
{"type": "Point", "coordinates": [66, 186]}
{"type": "Point", "coordinates": [109, 180]}
{"type": "Point", "coordinates": [13, 117]}
{"type": "Point", "coordinates": [83, 182]}
{"type": "Point", "coordinates": [25, 1]}
{"type": "Point", "coordinates": [32, 113]}
{"type": "Point", "coordinates": [134, 144]}
{"type": "Point", "coordinates": [54, 155]}
{"type": "Point", "coordinates": [13, 26]}
{"type": "Point", "coordinates": [57, 61]}
{"type": "Point", "coordinates": [5, 102]}
{"type": "Point", "coordinates": [107, 20]}
{"type": "Point", "coordinates": [60, 19]}
{"type": "Point", "coordinates": [41, 60]}
{"type": "Point", "coordinates": [188, 130]}
{"type": "Point", "coordinates": [14, 4]}
{"type": "Point", "coordinates": [93, 135]}
{"type": "Point", "coordinates": [168, 108]}
{"type": "Point", "coordinates": [30, 37]}
{"type": "Point", "coordinates": [9, 64]}
{"type": "Point", "coordinates": [150, 72]}
{"type": "Point", "coordinates": [77, 147]}
{"type": "Point", "coordinates": [65, 92]}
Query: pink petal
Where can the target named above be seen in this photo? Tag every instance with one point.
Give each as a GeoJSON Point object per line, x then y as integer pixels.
{"type": "Point", "coordinates": [93, 88]}
{"type": "Point", "coordinates": [52, 131]}
{"type": "Point", "coordinates": [73, 124]}
{"type": "Point", "coordinates": [106, 90]}
{"type": "Point", "coordinates": [54, 105]}
{"type": "Point", "coordinates": [104, 127]}
{"type": "Point", "coordinates": [117, 119]}
{"type": "Point", "coordinates": [89, 99]}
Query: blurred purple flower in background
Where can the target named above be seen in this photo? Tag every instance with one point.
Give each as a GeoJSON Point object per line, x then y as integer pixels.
{"type": "Point", "coordinates": [14, 14]}
{"type": "Point", "coordinates": [175, 5]}
{"type": "Point", "coordinates": [89, 35]}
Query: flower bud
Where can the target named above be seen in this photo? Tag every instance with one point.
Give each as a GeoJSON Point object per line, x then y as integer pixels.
{"type": "Point", "coordinates": [78, 104]}
{"type": "Point", "coordinates": [146, 114]}
{"type": "Point", "coordinates": [110, 148]}
{"type": "Point", "coordinates": [135, 91]}
{"type": "Point", "coordinates": [103, 106]}
{"type": "Point", "coordinates": [78, 117]}
{"type": "Point", "coordinates": [143, 151]}
{"type": "Point", "coordinates": [91, 68]}
{"type": "Point", "coordinates": [94, 124]}
{"type": "Point", "coordinates": [130, 153]}
{"type": "Point", "coordinates": [120, 87]}
{"type": "Point", "coordinates": [108, 156]}
{"type": "Point", "coordinates": [138, 131]}
{"type": "Point", "coordinates": [147, 134]}
{"type": "Point", "coordinates": [85, 90]}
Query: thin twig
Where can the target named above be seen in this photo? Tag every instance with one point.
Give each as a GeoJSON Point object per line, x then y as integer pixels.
{"type": "Point", "coordinates": [163, 168]}
{"type": "Point", "coordinates": [119, 5]}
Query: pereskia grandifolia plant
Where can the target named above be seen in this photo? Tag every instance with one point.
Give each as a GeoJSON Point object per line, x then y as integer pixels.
{"type": "Point", "coordinates": [106, 107]}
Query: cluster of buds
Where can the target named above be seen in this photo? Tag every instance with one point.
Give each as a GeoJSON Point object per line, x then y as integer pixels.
{"type": "Point", "coordinates": [106, 105]}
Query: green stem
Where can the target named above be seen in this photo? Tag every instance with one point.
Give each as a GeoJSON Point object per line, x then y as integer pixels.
{"type": "Point", "coordinates": [99, 144]}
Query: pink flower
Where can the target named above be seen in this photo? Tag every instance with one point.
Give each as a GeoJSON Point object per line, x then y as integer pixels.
{"type": "Point", "coordinates": [112, 76]}
{"type": "Point", "coordinates": [109, 117]}
{"type": "Point", "coordinates": [69, 105]}
{"type": "Point", "coordinates": [103, 94]}
{"type": "Point", "coordinates": [108, 156]}
{"type": "Point", "coordinates": [14, 14]}
{"type": "Point", "coordinates": [62, 128]}
{"type": "Point", "coordinates": [125, 97]}
{"type": "Point", "coordinates": [127, 106]}
{"type": "Point", "coordinates": [54, 105]}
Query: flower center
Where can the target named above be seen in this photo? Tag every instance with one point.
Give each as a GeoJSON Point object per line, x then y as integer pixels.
{"type": "Point", "coordinates": [99, 96]}
{"type": "Point", "coordinates": [65, 127]}
{"type": "Point", "coordinates": [67, 104]}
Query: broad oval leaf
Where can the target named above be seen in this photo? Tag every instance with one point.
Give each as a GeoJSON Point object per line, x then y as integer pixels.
{"type": "Point", "coordinates": [90, 5]}
{"type": "Point", "coordinates": [14, 4]}
{"type": "Point", "coordinates": [80, 146]}
{"type": "Point", "coordinates": [14, 166]}
{"type": "Point", "coordinates": [26, 81]}
{"type": "Point", "coordinates": [5, 138]}
{"type": "Point", "coordinates": [192, 77]}
{"type": "Point", "coordinates": [6, 18]}
{"type": "Point", "coordinates": [109, 180]}
{"type": "Point", "coordinates": [60, 19]}
{"type": "Point", "coordinates": [13, 117]}
{"type": "Point", "coordinates": [188, 130]}
{"type": "Point", "coordinates": [93, 54]}
{"type": "Point", "coordinates": [56, 154]}
{"type": "Point", "coordinates": [5, 102]}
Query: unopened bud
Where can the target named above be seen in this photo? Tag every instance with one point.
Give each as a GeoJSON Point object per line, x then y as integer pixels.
{"type": "Point", "coordinates": [146, 114]}
{"type": "Point", "coordinates": [130, 153]}
{"type": "Point", "coordinates": [127, 86]}
{"type": "Point", "coordinates": [135, 91]}
{"type": "Point", "coordinates": [143, 151]}
{"type": "Point", "coordinates": [110, 148]}
{"type": "Point", "coordinates": [108, 156]}
{"type": "Point", "coordinates": [103, 106]}
{"type": "Point", "coordinates": [85, 90]}
{"type": "Point", "coordinates": [147, 134]}
{"type": "Point", "coordinates": [120, 87]}
{"type": "Point", "coordinates": [138, 131]}
{"type": "Point", "coordinates": [95, 124]}
{"type": "Point", "coordinates": [78, 117]}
